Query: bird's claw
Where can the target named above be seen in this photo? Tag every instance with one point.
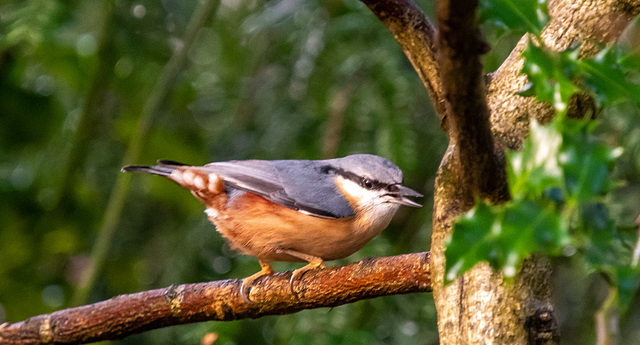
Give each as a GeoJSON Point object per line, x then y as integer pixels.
{"type": "Point", "coordinates": [245, 287]}
{"type": "Point", "coordinates": [298, 273]}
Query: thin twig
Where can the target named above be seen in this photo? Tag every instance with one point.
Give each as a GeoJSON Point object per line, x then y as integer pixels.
{"type": "Point", "coordinates": [636, 248]}
{"type": "Point", "coordinates": [92, 106]}
{"type": "Point", "coordinates": [607, 320]}
{"type": "Point", "coordinates": [416, 36]}
{"type": "Point", "coordinates": [337, 108]}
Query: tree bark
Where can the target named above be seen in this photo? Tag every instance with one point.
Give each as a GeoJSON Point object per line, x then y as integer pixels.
{"type": "Point", "coordinates": [480, 307]}
{"type": "Point", "coordinates": [220, 301]}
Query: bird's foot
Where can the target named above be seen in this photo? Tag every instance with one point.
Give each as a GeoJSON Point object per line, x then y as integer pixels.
{"type": "Point", "coordinates": [316, 263]}
{"type": "Point", "coordinates": [245, 288]}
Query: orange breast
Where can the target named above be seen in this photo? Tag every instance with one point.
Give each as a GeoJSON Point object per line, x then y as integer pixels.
{"type": "Point", "coordinates": [258, 227]}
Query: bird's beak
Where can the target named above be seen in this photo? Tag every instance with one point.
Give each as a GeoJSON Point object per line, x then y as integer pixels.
{"type": "Point", "coordinates": [400, 197]}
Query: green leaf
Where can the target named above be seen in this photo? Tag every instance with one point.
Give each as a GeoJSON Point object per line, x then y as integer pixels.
{"type": "Point", "coordinates": [611, 76]}
{"type": "Point", "coordinates": [602, 247]}
{"type": "Point", "coordinates": [524, 15]}
{"type": "Point", "coordinates": [606, 76]}
{"type": "Point", "coordinates": [628, 282]}
{"type": "Point", "coordinates": [504, 236]}
{"type": "Point", "coordinates": [535, 168]}
{"type": "Point", "coordinates": [471, 241]}
{"type": "Point", "coordinates": [529, 227]}
{"type": "Point", "coordinates": [586, 163]}
{"type": "Point", "coordinates": [561, 169]}
{"type": "Point", "coordinates": [551, 73]}
{"type": "Point", "coordinates": [629, 60]}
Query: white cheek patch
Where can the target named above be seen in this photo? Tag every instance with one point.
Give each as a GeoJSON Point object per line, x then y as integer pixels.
{"type": "Point", "coordinates": [362, 197]}
{"type": "Point", "coordinates": [353, 189]}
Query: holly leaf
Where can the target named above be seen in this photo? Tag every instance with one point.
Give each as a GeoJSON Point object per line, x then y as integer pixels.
{"type": "Point", "coordinates": [535, 168]}
{"type": "Point", "coordinates": [529, 227]}
{"type": "Point", "coordinates": [611, 76]}
{"type": "Point", "coordinates": [599, 235]}
{"type": "Point", "coordinates": [550, 74]}
{"type": "Point", "coordinates": [503, 236]}
{"type": "Point", "coordinates": [471, 241]}
{"type": "Point", "coordinates": [586, 163]}
{"type": "Point", "coordinates": [628, 282]}
{"type": "Point", "coordinates": [607, 75]}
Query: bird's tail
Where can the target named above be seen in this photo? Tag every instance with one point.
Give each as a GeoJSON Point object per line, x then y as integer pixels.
{"type": "Point", "coordinates": [164, 168]}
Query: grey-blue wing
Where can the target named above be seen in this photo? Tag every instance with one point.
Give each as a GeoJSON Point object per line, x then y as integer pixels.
{"type": "Point", "coordinates": [299, 185]}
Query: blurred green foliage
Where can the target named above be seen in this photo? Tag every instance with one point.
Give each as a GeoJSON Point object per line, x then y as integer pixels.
{"type": "Point", "coordinates": [517, 15]}
{"type": "Point", "coordinates": [265, 79]}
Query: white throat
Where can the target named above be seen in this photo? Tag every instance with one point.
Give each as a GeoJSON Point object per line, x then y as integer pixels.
{"type": "Point", "coordinates": [373, 210]}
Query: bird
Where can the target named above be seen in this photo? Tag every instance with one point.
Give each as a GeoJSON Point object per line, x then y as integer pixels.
{"type": "Point", "coordinates": [294, 210]}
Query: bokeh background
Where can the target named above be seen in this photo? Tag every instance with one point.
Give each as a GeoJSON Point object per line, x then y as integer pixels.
{"type": "Point", "coordinates": [264, 79]}
{"type": "Point", "coordinates": [286, 79]}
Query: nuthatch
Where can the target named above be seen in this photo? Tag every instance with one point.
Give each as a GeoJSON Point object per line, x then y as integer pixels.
{"type": "Point", "coordinates": [294, 210]}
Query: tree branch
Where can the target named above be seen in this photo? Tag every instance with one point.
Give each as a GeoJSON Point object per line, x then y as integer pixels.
{"type": "Point", "coordinates": [469, 309]}
{"type": "Point", "coordinates": [591, 24]}
{"type": "Point", "coordinates": [460, 48]}
{"type": "Point", "coordinates": [124, 315]}
{"type": "Point", "coordinates": [416, 36]}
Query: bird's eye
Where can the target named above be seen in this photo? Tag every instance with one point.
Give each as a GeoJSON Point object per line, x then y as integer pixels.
{"type": "Point", "coordinates": [367, 183]}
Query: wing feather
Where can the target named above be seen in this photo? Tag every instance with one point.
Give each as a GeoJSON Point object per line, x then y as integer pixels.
{"type": "Point", "coordinates": [298, 185]}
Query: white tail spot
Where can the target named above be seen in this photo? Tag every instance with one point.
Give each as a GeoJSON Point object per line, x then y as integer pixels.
{"type": "Point", "coordinates": [176, 175]}
{"type": "Point", "coordinates": [198, 182]}
{"type": "Point", "coordinates": [213, 181]}
{"type": "Point", "coordinates": [188, 176]}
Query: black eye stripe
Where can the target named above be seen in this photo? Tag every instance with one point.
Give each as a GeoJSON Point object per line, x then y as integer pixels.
{"type": "Point", "coordinates": [372, 184]}
{"type": "Point", "coordinates": [365, 182]}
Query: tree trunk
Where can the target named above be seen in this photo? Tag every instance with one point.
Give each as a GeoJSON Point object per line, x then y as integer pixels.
{"type": "Point", "coordinates": [480, 307]}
